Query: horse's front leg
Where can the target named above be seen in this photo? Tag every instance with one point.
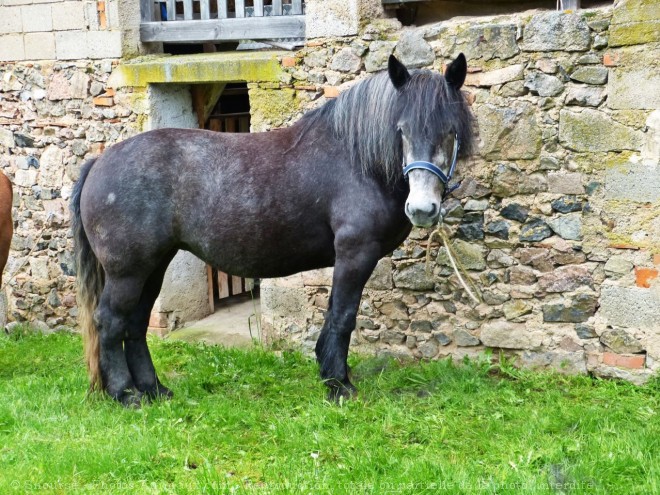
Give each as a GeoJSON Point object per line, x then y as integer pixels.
{"type": "Point", "coordinates": [355, 261]}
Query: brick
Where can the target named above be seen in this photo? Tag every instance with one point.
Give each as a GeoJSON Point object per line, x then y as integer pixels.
{"type": "Point", "coordinates": [68, 16]}
{"type": "Point", "coordinates": [36, 18]}
{"type": "Point", "coordinates": [103, 101]}
{"type": "Point", "coordinates": [289, 62]}
{"type": "Point", "coordinates": [621, 245]}
{"type": "Point", "coordinates": [10, 20]}
{"type": "Point", "coordinates": [611, 59]}
{"type": "Point", "coordinates": [158, 320]}
{"type": "Point", "coordinates": [644, 276]}
{"type": "Point", "coordinates": [71, 45]}
{"type": "Point", "coordinates": [11, 48]}
{"type": "Point", "coordinates": [39, 46]}
{"type": "Point", "coordinates": [330, 92]}
{"type": "Point", "coordinates": [631, 361]}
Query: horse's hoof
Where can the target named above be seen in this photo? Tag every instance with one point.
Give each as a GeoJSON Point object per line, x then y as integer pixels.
{"type": "Point", "coordinates": [130, 398]}
{"type": "Point", "coordinates": [159, 392]}
{"type": "Point", "coordinates": [338, 394]}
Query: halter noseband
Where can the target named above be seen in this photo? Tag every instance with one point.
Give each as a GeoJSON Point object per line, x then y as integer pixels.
{"type": "Point", "coordinates": [435, 170]}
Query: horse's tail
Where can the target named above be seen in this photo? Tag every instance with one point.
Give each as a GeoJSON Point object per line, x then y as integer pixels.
{"type": "Point", "coordinates": [90, 278]}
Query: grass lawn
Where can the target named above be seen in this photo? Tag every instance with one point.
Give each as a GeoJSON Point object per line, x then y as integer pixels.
{"type": "Point", "coordinates": [255, 422]}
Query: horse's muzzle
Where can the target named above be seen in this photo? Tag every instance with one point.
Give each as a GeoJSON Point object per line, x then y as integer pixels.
{"type": "Point", "coordinates": [423, 214]}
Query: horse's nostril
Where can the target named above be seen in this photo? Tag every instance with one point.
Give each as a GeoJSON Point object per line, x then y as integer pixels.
{"type": "Point", "coordinates": [434, 210]}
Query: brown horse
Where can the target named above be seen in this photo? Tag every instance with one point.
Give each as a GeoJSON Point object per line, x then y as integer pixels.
{"type": "Point", "coordinates": [6, 225]}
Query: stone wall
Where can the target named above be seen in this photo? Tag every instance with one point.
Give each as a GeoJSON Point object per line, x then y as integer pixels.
{"type": "Point", "coordinates": [557, 220]}
{"type": "Point", "coordinates": [53, 117]}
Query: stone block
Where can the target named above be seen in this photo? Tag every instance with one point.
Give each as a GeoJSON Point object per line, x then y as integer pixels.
{"type": "Point", "coordinates": [633, 182]}
{"type": "Point", "coordinates": [413, 277]}
{"type": "Point", "coordinates": [590, 75]}
{"type": "Point", "coordinates": [574, 310]}
{"type": "Point", "coordinates": [104, 44]}
{"type": "Point", "coordinates": [634, 88]}
{"type": "Point", "coordinates": [556, 31]}
{"type": "Point", "coordinates": [68, 16]}
{"type": "Point", "coordinates": [10, 20]}
{"type": "Point", "coordinates": [413, 51]}
{"type": "Point", "coordinates": [39, 46]}
{"type": "Point", "coordinates": [566, 279]}
{"type": "Point", "coordinates": [379, 52]}
{"type": "Point", "coordinates": [630, 306]}
{"type": "Point", "coordinates": [620, 341]}
{"type": "Point", "coordinates": [495, 77]}
{"type": "Point", "coordinates": [563, 362]}
{"type": "Point", "coordinates": [584, 96]}
{"type": "Point", "coordinates": [328, 18]}
{"type": "Point", "coordinates": [565, 183]}
{"type": "Point", "coordinates": [507, 335]}
{"type": "Point", "coordinates": [509, 132]}
{"type": "Point", "coordinates": [591, 130]}
{"type": "Point", "coordinates": [36, 18]}
{"type": "Point", "coordinates": [487, 42]}
{"type": "Point", "coordinates": [543, 84]}
{"type": "Point", "coordinates": [567, 226]}
{"type": "Point", "coordinates": [470, 256]}
{"type": "Point", "coordinates": [11, 48]}
{"type": "Point", "coordinates": [635, 22]}
{"type": "Point", "coordinates": [185, 289]}
{"type": "Point", "coordinates": [346, 61]}
{"type": "Point", "coordinates": [71, 45]}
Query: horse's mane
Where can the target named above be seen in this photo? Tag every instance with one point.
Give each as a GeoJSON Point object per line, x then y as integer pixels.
{"type": "Point", "coordinates": [365, 118]}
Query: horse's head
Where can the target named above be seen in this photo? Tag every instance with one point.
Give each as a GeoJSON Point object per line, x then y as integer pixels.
{"type": "Point", "coordinates": [430, 128]}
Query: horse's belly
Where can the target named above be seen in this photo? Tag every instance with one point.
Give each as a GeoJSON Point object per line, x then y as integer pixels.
{"type": "Point", "coordinates": [268, 256]}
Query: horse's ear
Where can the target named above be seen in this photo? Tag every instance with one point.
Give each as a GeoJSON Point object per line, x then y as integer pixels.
{"type": "Point", "coordinates": [456, 72]}
{"type": "Point", "coordinates": [398, 72]}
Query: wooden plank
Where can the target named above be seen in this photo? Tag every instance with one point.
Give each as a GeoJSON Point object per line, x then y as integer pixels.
{"type": "Point", "coordinates": [258, 8]}
{"type": "Point", "coordinates": [171, 10]}
{"type": "Point", "coordinates": [240, 8]}
{"type": "Point", "coordinates": [222, 9]}
{"type": "Point", "coordinates": [205, 9]}
{"type": "Point", "coordinates": [223, 285]}
{"type": "Point", "coordinates": [209, 280]}
{"type": "Point", "coordinates": [188, 10]}
{"type": "Point", "coordinates": [296, 7]}
{"type": "Point", "coordinates": [230, 124]}
{"type": "Point", "coordinates": [215, 125]}
{"type": "Point", "coordinates": [146, 10]}
{"type": "Point", "coordinates": [277, 7]}
{"type": "Point", "coordinates": [244, 124]}
{"type": "Point", "coordinates": [236, 285]}
{"type": "Point", "coordinates": [254, 28]}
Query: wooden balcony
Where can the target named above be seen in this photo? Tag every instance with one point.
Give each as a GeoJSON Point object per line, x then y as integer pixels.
{"type": "Point", "coordinates": [199, 21]}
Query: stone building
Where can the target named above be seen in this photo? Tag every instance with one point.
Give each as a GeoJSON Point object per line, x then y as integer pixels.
{"type": "Point", "coordinates": [557, 220]}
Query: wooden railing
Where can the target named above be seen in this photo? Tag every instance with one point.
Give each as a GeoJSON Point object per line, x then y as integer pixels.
{"type": "Point", "coordinates": [220, 20]}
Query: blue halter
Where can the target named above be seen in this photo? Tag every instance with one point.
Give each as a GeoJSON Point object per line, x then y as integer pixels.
{"type": "Point", "coordinates": [434, 169]}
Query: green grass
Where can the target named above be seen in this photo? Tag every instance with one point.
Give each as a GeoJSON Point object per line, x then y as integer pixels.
{"type": "Point", "coordinates": [255, 422]}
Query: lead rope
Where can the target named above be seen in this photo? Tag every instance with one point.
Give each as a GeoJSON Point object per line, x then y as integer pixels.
{"type": "Point", "coordinates": [455, 263]}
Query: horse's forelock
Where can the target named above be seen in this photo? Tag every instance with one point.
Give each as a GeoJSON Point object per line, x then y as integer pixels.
{"type": "Point", "coordinates": [365, 118]}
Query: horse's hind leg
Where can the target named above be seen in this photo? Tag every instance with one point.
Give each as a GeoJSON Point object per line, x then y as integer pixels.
{"type": "Point", "coordinates": [354, 264]}
{"type": "Point", "coordinates": [136, 350]}
{"type": "Point", "coordinates": [119, 300]}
